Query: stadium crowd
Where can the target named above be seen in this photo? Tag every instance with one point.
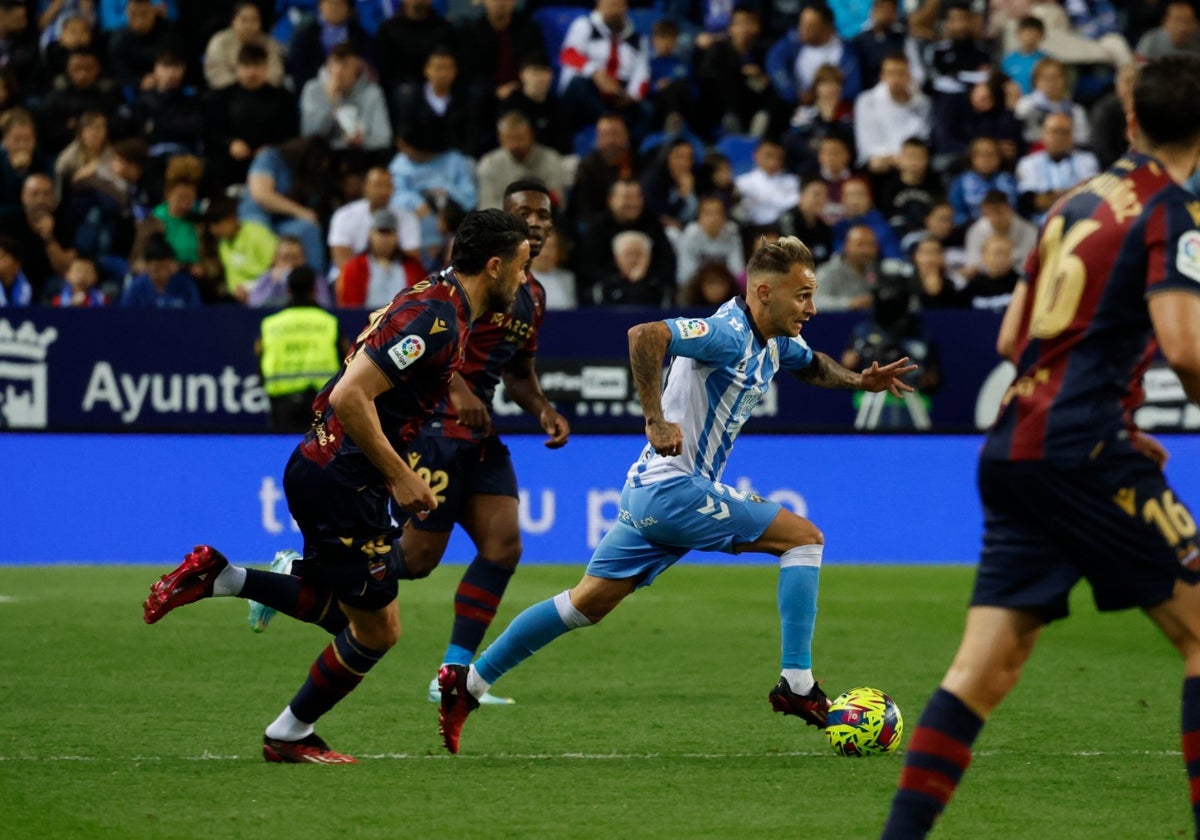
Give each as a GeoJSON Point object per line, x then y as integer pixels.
{"type": "Point", "coordinates": [177, 153]}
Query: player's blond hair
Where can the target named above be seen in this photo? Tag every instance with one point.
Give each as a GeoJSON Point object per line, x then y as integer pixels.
{"type": "Point", "coordinates": [778, 257]}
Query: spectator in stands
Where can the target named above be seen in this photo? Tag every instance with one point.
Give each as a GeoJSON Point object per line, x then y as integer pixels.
{"type": "Point", "coordinates": [106, 206]}
{"type": "Point", "coordinates": [351, 223]}
{"type": "Point", "coordinates": [605, 67]}
{"type": "Point", "coordinates": [937, 286]}
{"type": "Point", "coordinates": [15, 288]}
{"type": "Point", "coordinates": [19, 43]}
{"type": "Point", "coordinates": [74, 33]}
{"type": "Point", "coordinates": [845, 282]}
{"type": "Point", "coordinates": [10, 92]}
{"type": "Point", "coordinates": [992, 286]}
{"type": "Point", "coordinates": [220, 57]}
{"type": "Point", "coordinates": [170, 116]}
{"type": "Point", "coordinates": [536, 99]}
{"type": "Point", "coordinates": [829, 114]}
{"type": "Point", "coordinates": [888, 114]}
{"type": "Point", "coordinates": [43, 236]}
{"type": "Point", "coordinates": [314, 40]}
{"type": "Point", "coordinates": [1018, 64]}
{"type": "Point", "coordinates": [1179, 33]}
{"type": "Point", "coordinates": [793, 60]}
{"type": "Point", "coordinates": [1107, 118]}
{"type": "Point", "coordinates": [805, 220]}
{"type": "Point", "coordinates": [404, 41]}
{"type": "Point", "coordinates": [905, 194]}
{"type": "Point", "coordinates": [245, 117]}
{"type": "Point", "coordinates": [285, 185]}
{"type": "Point", "coordinates": [983, 173]}
{"type": "Point", "coordinates": [133, 48]}
{"type": "Point", "coordinates": [735, 90]}
{"type": "Point", "coordinates": [670, 187]}
{"type": "Point", "coordinates": [440, 111]}
{"type": "Point", "coordinates": [712, 237]}
{"type": "Point", "coordinates": [80, 289]}
{"type": "Point", "coordinates": [1046, 174]}
{"type": "Point", "coordinates": [711, 285]}
{"type": "Point", "coordinates": [885, 35]}
{"type": "Point", "coordinates": [490, 48]}
{"type": "Point", "coordinates": [81, 89]}
{"type": "Point", "coordinates": [955, 63]}
{"type": "Point", "coordinates": [632, 281]}
{"type": "Point", "coordinates": [860, 211]}
{"type": "Point", "coordinates": [246, 249]}
{"type": "Point", "coordinates": [719, 181]}
{"type": "Point", "coordinates": [373, 278]}
{"type": "Point", "coordinates": [177, 218]}
{"type": "Point", "coordinates": [768, 190]}
{"type": "Point", "coordinates": [89, 151]}
{"type": "Point", "coordinates": [163, 285]}
{"type": "Point", "coordinates": [519, 157]}
{"type": "Point", "coordinates": [834, 156]}
{"type": "Point", "coordinates": [997, 217]}
{"type": "Point", "coordinates": [626, 211]}
{"type": "Point", "coordinates": [939, 225]}
{"type": "Point", "coordinates": [990, 114]}
{"type": "Point", "coordinates": [609, 161]}
{"type": "Point", "coordinates": [346, 108]}
{"type": "Point", "coordinates": [1050, 96]}
{"type": "Point", "coordinates": [426, 183]}
{"type": "Point", "coordinates": [270, 290]}
{"type": "Point", "coordinates": [550, 268]}
{"type": "Point", "coordinates": [671, 90]}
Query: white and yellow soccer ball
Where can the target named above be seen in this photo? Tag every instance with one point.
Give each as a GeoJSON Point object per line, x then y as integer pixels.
{"type": "Point", "coordinates": [864, 721]}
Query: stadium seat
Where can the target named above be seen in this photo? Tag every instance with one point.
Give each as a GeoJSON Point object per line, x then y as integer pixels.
{"type": "Point", "coordinates": [643, 19]}
{"type": "Point", "coordinates": [584, 140]}
{"type": "Point", "coordinates": [554, 22]}
{"type": "Point", "coordinates": [739, 148]}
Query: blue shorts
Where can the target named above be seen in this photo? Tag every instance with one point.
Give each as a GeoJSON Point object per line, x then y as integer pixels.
{"type": "Point", "coordinates": [659, 523]}
{"type": "Point", "coordinates": [457, 469]}
{"type": "Point", "coordinates": [1114, 521]}
{"type": "Point", "coordinates": [350, 544]}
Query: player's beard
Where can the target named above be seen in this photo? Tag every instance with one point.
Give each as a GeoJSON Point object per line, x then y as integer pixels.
{"type": "Point", "coordinates": [500, 298]}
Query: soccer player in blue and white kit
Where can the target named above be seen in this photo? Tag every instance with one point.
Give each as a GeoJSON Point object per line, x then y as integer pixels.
{"type": "Point", "coordinates": [673, 500]}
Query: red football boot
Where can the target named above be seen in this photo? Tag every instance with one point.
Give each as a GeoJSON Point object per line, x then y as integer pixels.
{"type": "Point", "coordinates": [190, 582]}
{"type": "Point", "coordinates": [310, 750]}
{"type": "Point", "coordinates": [457, 703]}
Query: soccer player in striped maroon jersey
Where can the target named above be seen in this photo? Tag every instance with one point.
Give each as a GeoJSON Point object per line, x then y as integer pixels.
{"type": "Point", "coordinates": [1071, 489]}
{"type": "Point", "coordinates": [465, 461]}
{"type": "Point", "coordinates": [348, 470]}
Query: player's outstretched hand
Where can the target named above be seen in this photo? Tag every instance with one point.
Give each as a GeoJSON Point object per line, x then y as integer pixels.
{"type": "Point", "coordinates": [666, 438]}
{"type": "Point", "coordinates": [472, 411]}
{"type": "Point", "coordinates": [887, 378]}
{"type": "Point", "coordinates": [555, 425]}
{"type": "Point", "coordinates": [413, 494]}
{"type": "Point", "coordinates": [1151, 447]}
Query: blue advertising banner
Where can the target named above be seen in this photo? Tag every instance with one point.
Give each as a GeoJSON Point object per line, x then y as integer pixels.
{"type": "Point", "coordinates": [148, 499]}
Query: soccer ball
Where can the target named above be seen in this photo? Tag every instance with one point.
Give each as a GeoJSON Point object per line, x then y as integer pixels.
{"type": "Point", "coordinates": [864, 721]}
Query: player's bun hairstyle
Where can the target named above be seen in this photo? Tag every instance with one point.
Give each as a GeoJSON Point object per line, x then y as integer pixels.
{"type": "Point", "coordinates": [1164, 99]}
{"type": "Point", "coordinates": [484, 234]}
{"type": "Point", "coordinates": [779, 256]}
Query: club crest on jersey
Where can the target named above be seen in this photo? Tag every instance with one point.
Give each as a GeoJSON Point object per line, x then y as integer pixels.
{"type": "Point", "coordinates": [1187, 257]}
{"type": "Point", "coordinates": [407, 350]}
{"type": "Point", "coordinates": [691, 327]}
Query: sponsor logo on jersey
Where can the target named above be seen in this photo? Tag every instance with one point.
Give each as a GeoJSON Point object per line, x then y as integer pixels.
{"type": "Point", "coordinates": [1187, 256]}
{"type": "Point", "coordinates": [407, 350]}
{"type": "Point", "coordinates": [691, 327]}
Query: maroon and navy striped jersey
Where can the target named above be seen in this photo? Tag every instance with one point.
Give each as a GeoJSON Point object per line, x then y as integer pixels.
{"type": "Point", "coordinates": [1085, 334]}
{"type": "Point", "coordinates": [497, 338]}
{"type": "Point", "coordinates": [417, 341]}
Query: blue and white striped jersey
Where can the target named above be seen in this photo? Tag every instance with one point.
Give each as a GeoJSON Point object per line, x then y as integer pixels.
{"type": "Point", "coordinates": [722, 367]}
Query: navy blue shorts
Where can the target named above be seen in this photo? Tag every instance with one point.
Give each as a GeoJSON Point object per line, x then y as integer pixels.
{"type": "Point", "coordinates": [350, 542]}
{"type": "Point", "coordinates": [457, 469]}
{"type": "Point", "coordinates": [1114, 521]}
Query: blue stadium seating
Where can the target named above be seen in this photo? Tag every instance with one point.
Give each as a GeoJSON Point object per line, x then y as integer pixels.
{"type": "Point", "coordinates": [554, 21]}
{"type": "Point", "coordinates": [739, 148]}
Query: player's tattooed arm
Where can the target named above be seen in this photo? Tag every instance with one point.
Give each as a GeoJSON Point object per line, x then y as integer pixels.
{"type": "Point", "coordinates": [647, 348]}
{"type": "Point", "coordinates": [824, 372]}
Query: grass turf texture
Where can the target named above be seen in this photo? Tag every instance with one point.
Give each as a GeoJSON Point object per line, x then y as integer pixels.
{"type": "Point", "coordinates": [654, 725]}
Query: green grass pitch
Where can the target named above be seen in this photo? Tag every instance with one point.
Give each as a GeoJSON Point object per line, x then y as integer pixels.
{"type": "Point", "coordinates": [654, 724]}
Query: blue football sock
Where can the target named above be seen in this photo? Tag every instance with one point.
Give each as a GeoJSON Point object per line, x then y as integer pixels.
{"type": "Point", "coordinates": [528, 633]}
{"type": "Point", "coordinates": [799, 573]}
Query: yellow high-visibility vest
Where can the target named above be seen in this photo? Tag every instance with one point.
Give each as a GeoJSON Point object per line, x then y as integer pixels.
{"type": "Point", "coordinates": [299, 350]}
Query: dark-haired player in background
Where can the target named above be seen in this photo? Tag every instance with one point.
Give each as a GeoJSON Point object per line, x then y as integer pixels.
{"type": "Point", "coordinates": [1070, 488]}
{"type": "Point", "coordinates": [466, 463]}
{"type": "Point", "coordinates": [349, 468]}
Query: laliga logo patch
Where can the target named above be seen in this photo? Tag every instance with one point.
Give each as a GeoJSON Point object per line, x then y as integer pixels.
{"type": "Point", "coordinates": [691, 327]}
{"type": "Point", "coordinates": [1187, 258]}
{"type": "Point", "coordinates": [407, 351]}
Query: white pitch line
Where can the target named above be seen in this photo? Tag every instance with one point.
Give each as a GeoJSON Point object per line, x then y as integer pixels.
{"type": "Point", "coordinates": [207, 756]}
{"type": "Point", "coordinates": [6, 599]}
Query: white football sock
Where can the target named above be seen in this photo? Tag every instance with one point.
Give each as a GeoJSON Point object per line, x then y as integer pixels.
{"type": "Point", "coordinates": [288, 727]}
{"type": "Point", "coordinates": [476, 684]}
{"type": "Point", "coordinates": [800, 680]}
{"type": "Point", "coordinates": [230, 581]}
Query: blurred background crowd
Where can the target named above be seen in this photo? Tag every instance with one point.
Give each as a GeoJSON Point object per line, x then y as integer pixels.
{"type": "Point", "coordinates": [172, 153]}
